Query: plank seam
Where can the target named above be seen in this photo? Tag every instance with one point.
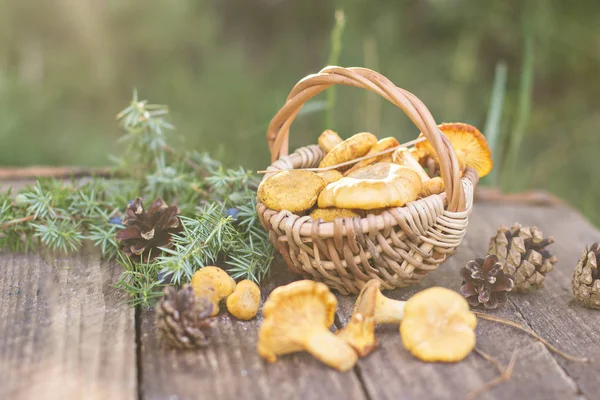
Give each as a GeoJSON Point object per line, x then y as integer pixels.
{"type": "Point", "coordinates": [569, 379]}
{"type": "Point", "coordinates": [357, 370]}
{"type": "Point", "coordinates": [138, 350]}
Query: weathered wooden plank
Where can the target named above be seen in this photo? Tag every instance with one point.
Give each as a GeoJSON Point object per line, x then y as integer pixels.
{"type": "Point", "coordinates": [391, 372]}
{"type": "Point", "coordinates": [231, 369]}
{"type": "Point", "coordinates": [65, 331]}
{"type": "Point", "coordinates": [551, 310]}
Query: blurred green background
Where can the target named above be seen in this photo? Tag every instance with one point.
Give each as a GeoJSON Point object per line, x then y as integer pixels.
{"type": "Point", "coordinates": [225, 66]}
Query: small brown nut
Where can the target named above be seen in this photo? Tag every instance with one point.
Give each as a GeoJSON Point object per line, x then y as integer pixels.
{"type": "Point", "coordinates": [214, 283]}
{"type": "Point", "coordinates": [351, 148]}
{"type": "Point", "coordinates": [330, 214]}
{"type": "Point", "coordinates": [292, 190]}
{"type": "Point", "coordinates": [244, 302]}
{"type": "Point", "coordinates": [328, 140]}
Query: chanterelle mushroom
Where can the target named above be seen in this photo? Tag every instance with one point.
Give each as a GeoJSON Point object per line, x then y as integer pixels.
{"type": "Point", "coordinates": [469, 144]}
{"type": "Point", "coordinates": [297, 317]}
{"type": "Point", "coordinates": [385, 310]}
{"type": "Point", "coordinates": [214, 283]}
{"type": "Point", "coordinates": [329, 139]}
{"type": "Point", "coordinates": [244, 302]}
{"type": "Point", "coordinates": [404, 156]}
{"type": "Point", "coordinates": [438, 326]}
{"type": "Point", "coordinates": [380, 185]}
{"type": "Point", "coordinates": [360, 330]}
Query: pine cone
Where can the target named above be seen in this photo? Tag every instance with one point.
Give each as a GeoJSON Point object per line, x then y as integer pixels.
{"type": "Point", "coordinates": [522, 253]}
{"type": "Point", "coordinates": [183, 320]}
{"type": "Point", "coordinates": [485, 283]}
{"type": "Point", "coordinates": [145, 231]}
{"type": "Point", "coordinates": [586, 278]}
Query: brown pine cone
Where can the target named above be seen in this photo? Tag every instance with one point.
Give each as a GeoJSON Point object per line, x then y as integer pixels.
{"type": "Point", "coordinates": [145, 231]}
{"type": "Point", "coordinates": [183, 320]}
{"type": "Point", "coordinates": [485, 283]}
{"type": "Point", "coordinates": [586, 278]}
{"type": "Point", "coordinates": [522, 252]}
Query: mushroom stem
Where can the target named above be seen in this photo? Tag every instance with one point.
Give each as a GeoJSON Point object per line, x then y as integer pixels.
{"type": "Point", "coordinates": [386, 310]}
{"type": "Point", "coordinates": [330, 349]}
{"type": "Point", "coordinates": [389, 311]}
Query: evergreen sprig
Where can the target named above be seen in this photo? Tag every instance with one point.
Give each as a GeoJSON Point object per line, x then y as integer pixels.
{"type": "Point", "coordinates": [217, 207]}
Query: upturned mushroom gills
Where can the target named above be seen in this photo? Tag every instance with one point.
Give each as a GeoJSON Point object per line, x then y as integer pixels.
{"type": "Point", "coordinates": [469, 144]}
{"type": "Point", "coordinates": [297, 318]}
{"type": "Point", "coordinates": [405, 157]}
{"type": "Point", "coordinates": [385, 310]}
{"type": "Point", "coordinates": [328, 140]}
{"type": "Point", "coordinates": [214, 283]}
{"type": "Point", "coordinates": [438, 326]}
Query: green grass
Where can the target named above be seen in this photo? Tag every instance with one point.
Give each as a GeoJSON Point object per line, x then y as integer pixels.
{"type": "Point", "coordinates": [226, 67]}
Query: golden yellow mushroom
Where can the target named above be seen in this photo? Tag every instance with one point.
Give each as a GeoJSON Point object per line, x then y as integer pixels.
{"type": "Point", "coordinates": [382, 145]}
{"type": "Point", "coordinates": [438, 326]}
{"type": "Point", "coordinates": [405, 157]}
{"type": "Point", "coordinates": [330, 214]}
{"type": "Point", "coordinates": [330, 176]}
{"type": "Point", "coordinates": [297, 318]}
{"type": "Point", "coordinates": [469, 144]}
{"type": "Point", "coordinates": [380, 185]}
{"type": "Point", "coordinates": [328, 140]}
{"type": "Point", "coordinates": [292, 190]}
{"type": "Point", "coordinates": [244, 302]}
{"type": "Point", "coordinates": [354, 147]}
{"type": "Point", "coordinates": [214, 283]}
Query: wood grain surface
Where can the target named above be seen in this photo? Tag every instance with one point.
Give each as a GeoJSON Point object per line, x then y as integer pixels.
{"type": "Point", "coordinates": [66, 333]}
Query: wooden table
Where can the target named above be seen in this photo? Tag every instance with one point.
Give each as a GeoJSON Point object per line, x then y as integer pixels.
{"type": "Point", "coordinates": [66, 333]}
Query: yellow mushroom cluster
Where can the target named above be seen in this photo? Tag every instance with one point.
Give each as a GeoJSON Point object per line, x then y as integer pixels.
{"type": "Point", "coordinates": [435, 324]}
{"type": "Point", "coordinates": [242, 299]}
{"type": "Point", "coordinates": [362, 174]}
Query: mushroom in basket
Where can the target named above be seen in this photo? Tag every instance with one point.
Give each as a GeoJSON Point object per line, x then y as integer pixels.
{"type": "Point", "coordinates": [354, 147]}
{"type": "Point", "coordinates": [382, 145]}
{"type": "Point", "coordinates": [380, 185]}
{"type": "Point", "coordinates": [469, 144]}
{"type": "Point", "coordinates": [404, 156]}
{"type": "Point", "coordinates": [294, 190]}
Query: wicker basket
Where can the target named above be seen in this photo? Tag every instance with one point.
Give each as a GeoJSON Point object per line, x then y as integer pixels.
{"type": "Point", "coordinates": [400, 245]}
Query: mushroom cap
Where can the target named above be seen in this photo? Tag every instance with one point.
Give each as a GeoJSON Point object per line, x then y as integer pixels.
{"type": "Point", "coordinates": [330, 214]}
{"type": "Point", "coordinates": [380, 185]}
{"type": "Point", "coordinates": [214, 283]}
{"type": "Point", "coordinates": [406, 157]}
{"type": "Point", "coordinates": [383, 144]}
{"type": "Point", "coordinates": [331, 176]}
{"type": "Point", "coordinates": [291, 313]}
{"type": "Point", "coordinates": [293, 190]}
{"type": "Point", "coordinates": [432, 186]}
{"type": "Point", "coordinates": [244, 302]}
{"type": "Point", "coordinates": [351, 148]}
{"type": "Point", "coordinates": [328, 140]}
{"type": "Point", "coordinates": [469, 144]}
{"type": "Point", "coordinates": [438, 326]}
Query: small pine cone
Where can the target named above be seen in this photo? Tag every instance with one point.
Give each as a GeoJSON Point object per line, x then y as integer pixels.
{"type": "Point", "coordinates": [586, 278]}
{"type": "Point", "coordinates": [485, 283]}
{"type": "Point", "coordinates": [183, 320]}
{"type": "Point", "coordinates": [145, 231]}
{"type": "Point", "coordinates": [522, 253]}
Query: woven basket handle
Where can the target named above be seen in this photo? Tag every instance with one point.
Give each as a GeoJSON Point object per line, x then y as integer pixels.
{"type": "Point", "coordinates": [310, 86]}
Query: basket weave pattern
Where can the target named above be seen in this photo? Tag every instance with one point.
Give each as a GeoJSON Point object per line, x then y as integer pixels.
{"type": "Point", "coordinates": [398, 246]}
